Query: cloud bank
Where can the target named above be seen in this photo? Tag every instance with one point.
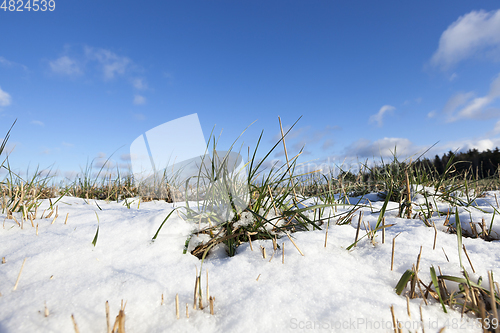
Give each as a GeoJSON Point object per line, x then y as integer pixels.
{"type": "Point", "coordinates": [66, 66]}
{"type": "Point", "coordinates": [468, 106]}
{"type": "Point", "coordinates": [385, 147]}
{"type": "Point", "coordinates": [474, 34]}
{"type": "Point", "coordinates": [109, 64]}
{"type": "Point", "coordinates": [5, 98]}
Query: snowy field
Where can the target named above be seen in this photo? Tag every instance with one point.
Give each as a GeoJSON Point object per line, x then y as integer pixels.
{"type": "Point", "coordinates": [328, 289]}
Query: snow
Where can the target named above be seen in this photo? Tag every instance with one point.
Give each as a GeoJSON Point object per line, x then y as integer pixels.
{"type": "Point", "coordinates": [328, 289]}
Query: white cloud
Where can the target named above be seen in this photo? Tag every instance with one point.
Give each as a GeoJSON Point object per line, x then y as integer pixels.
{"type": "Point", "coordinates": [48, 173]}
{"type": "Point", "coordinates": [125, 157]}
{"type": "Point", "coordinates": [305, 137]}
{"type": "Point", "coordinates": [432, 114]}
{"type": "Point", "coordinates": [381, 148]}
{"type": "Point", "coordinates": [70, 174]}
{"type": "Point", "coordinates": [112, 64]}
{"type": "Point", "coordinates": [306, 131]}
{"type": "Point", "coordinates": [107, 64]}
{"type": "Point", "coordinates": [65, 66]}
{"type": "Point", "coordinates": [125, 166]}
{"type": "Point", "coordinates": [138, 100]}
{"type": "Point", "coordinates": [481, 144]}
{"type": "Point", "coordinates": [297, 146]}
{"type": "Point", "coordinates": [139, 84]}
{"type": "Point", "coordinates": [453, 77]}
{"type": "Point", "coordinates": [10, 148]}
{"type": "Point", "coordinates": [292, 134]}
{"type": "Point", "coordinates": [100, 161]}
{"type": "Point", "coordinates": [8, 63]}
{"type": "Point", "coordinates": [327, 131]}
{"type": "Point", "coordinates": [456, 101]}
{"type": "Point", "coordinates": [5, 98]}
{"type": "Point", "coordinates": [327, 144]}
{"type": "Point", "coordinates": [139, 116]}
{"type": "Point", "coordinates": [378, 118]}
{"type": "Point", "coordinates": [37, 122]}
{"type": "Point", "coordinates": [5, 62]}
{"type": "Point", "coordinates": [103, 164]}
{"type": "Point", "coordinates": [269, 164]}
{"type": "Point", "coordinates": [279, 153]}
{"type": "Point", "coordinates": [466, 37]}
{"type": "Point", "coordinates": [473, 107]}
{"type": "Point", "coordinates": [417, 100]}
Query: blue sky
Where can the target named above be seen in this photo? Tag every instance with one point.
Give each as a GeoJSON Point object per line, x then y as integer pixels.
{"type": "Point", "coordinates": [85, 80]}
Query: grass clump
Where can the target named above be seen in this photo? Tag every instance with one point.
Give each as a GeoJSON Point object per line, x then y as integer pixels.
{"type": "Point", "coordinates": [18, 194]}
{"type": "Point", "coordinates": [271, 208]}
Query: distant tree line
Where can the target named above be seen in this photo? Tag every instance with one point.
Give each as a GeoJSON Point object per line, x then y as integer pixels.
{"type": "Point", "coordinates": [476, 164]}
{"type": "Point", "coordinates": [473, 164]}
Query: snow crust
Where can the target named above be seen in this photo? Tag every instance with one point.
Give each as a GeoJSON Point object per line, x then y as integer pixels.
{"type": "Point", "coordinates": [329, 289]}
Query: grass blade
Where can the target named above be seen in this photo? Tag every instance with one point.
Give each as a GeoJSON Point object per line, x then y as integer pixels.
{"type": "Point", "coordinates": [94, 242]}
{"type": "Point", "coordinates": [382, 211]}
{"type": "Point", "coordinates": [165, 220]}
{"type": "Point", "coordinates": [436, 287]}
{"type": "Point", "coordinates": [403, 281]}
{"type": "Point", "coordinates": [458, 226]}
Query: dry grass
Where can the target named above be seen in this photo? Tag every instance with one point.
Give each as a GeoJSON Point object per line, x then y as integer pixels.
{"type": "Point", "coordinates": [277, 209]}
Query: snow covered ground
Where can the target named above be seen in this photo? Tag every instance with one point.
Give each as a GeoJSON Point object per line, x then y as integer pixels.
{"type": "Point", "coordinates": [326, 290]}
